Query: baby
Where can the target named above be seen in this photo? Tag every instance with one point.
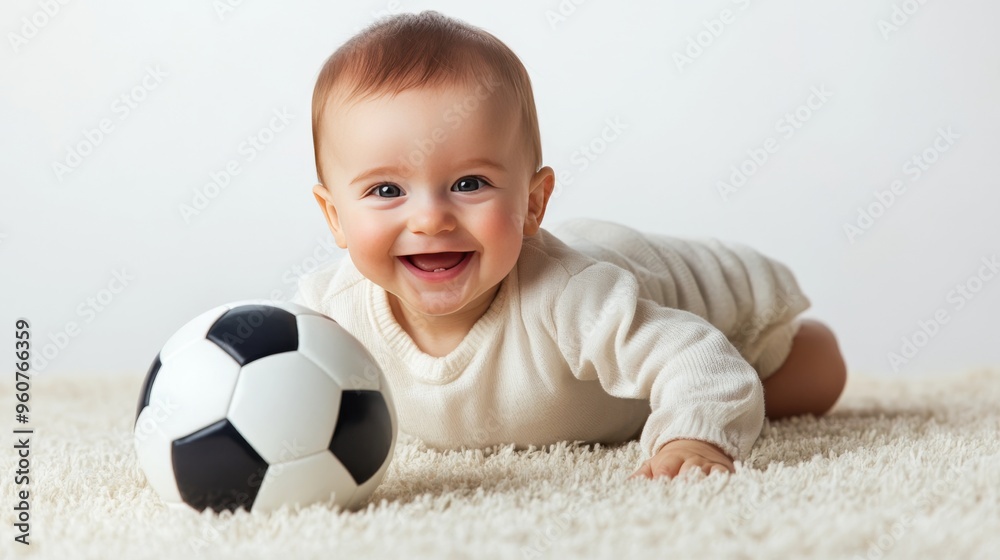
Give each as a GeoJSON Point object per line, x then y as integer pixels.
{"type": "Point", "coordinates": [491, 329]}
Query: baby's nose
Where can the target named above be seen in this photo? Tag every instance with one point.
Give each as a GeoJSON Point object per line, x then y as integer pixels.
{"type": "Point", "coordinates": [432, 217]}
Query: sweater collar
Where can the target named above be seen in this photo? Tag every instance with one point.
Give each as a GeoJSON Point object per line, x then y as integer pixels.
{"type": "Point", "coordinates": [423, 366]}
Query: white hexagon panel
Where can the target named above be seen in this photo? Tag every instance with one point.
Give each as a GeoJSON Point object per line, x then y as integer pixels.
{"type": "Point", "coordinates": [298, 482]}
{"type": "Point", "coordinates": [193, 388]}
{"type": "Point", "coordinates": [285, 406]}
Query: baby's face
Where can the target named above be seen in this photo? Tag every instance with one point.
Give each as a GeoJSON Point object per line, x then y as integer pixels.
{"type": "Point", "coordinates": [428, 191]}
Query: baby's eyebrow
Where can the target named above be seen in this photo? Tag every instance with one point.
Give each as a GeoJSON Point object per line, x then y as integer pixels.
{"type": "Point", "coordinates": [392, 169]}
{"type": "Point", "coordinates": [483, 162]}
{"type": "Point", "coordinates": [384, 170]}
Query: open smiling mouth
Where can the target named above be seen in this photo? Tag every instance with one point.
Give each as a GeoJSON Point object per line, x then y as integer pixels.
{"type": "Point", "coordinates": [437, 265]}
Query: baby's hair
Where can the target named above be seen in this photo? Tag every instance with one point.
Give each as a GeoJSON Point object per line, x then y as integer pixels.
{"type": "Point", "coordinates": [408, 51]}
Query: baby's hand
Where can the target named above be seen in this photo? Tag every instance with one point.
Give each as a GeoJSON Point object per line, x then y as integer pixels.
{"type": "Point", "coordinates": [679, 455]}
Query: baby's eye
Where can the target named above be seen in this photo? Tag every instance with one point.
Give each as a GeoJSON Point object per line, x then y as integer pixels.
{"type": "Point", "coordinates": [469, 184]}
{"type": "Point", "coordinates": [386, 191]}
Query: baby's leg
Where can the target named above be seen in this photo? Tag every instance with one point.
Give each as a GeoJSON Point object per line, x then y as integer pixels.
{"type": "Point", "coordinates": [812, 377]}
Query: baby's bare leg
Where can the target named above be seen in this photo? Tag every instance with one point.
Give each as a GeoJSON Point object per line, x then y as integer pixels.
{"type": "Point", "coordinates": [812, 377]}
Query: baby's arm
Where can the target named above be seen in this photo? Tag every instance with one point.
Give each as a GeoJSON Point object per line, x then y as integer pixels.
{"type": "Point", "coordinates": [699, 386]}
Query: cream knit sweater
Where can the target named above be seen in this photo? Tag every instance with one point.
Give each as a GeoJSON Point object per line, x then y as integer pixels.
{"type": "Point", "coordinates": [594, 335]}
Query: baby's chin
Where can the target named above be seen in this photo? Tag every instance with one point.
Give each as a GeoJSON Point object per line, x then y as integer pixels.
{"type": "Point", "coordinates": [443, 302]}
{"type": "Point", "coordinates": [439, 304]}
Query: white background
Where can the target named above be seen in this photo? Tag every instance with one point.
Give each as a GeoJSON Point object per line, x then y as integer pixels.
{"type": "Point", "coordinates": [63, 236]}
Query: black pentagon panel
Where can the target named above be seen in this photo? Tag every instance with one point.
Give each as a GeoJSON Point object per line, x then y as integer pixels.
{"type": "Point", "coordinates": [216, 468]}
{"type": "Point", "coordinates": [363, 434]}
{"type": "Point", "coordinates": [147, 387]}
{"type": "Point", "coordinates": [249, 332]}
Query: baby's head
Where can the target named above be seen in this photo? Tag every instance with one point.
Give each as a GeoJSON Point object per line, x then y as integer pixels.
{"type": "Point", "coordinates": [427, 141]}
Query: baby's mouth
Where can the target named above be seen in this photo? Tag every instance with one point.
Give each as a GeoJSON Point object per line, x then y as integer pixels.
{"type": "Point", "coordinates": [436, 262]}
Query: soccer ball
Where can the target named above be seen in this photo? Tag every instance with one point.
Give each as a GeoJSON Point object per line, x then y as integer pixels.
{"type": "Point", "coordinates": [260, 405]}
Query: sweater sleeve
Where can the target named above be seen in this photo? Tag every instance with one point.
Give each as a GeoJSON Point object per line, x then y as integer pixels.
{"type": "Point", "coordinates": [698, 385]}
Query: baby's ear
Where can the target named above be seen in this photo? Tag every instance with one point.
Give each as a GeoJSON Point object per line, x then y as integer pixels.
{"type": "Point", "coordinates": [539, 190]}
{"type": "Point", "coordinates": [325, 201]}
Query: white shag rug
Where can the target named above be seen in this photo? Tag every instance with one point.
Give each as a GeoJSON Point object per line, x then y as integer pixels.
{"type": "Point", "coordinates": [902, 468]}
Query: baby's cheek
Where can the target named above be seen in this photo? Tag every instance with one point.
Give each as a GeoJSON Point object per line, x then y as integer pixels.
{"type": "Point", "coordinates": [368, 243]}
{"type": "Point", "coordinates": [506, 239]}
{"type": "Point", "coordinates": [510, 214]}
